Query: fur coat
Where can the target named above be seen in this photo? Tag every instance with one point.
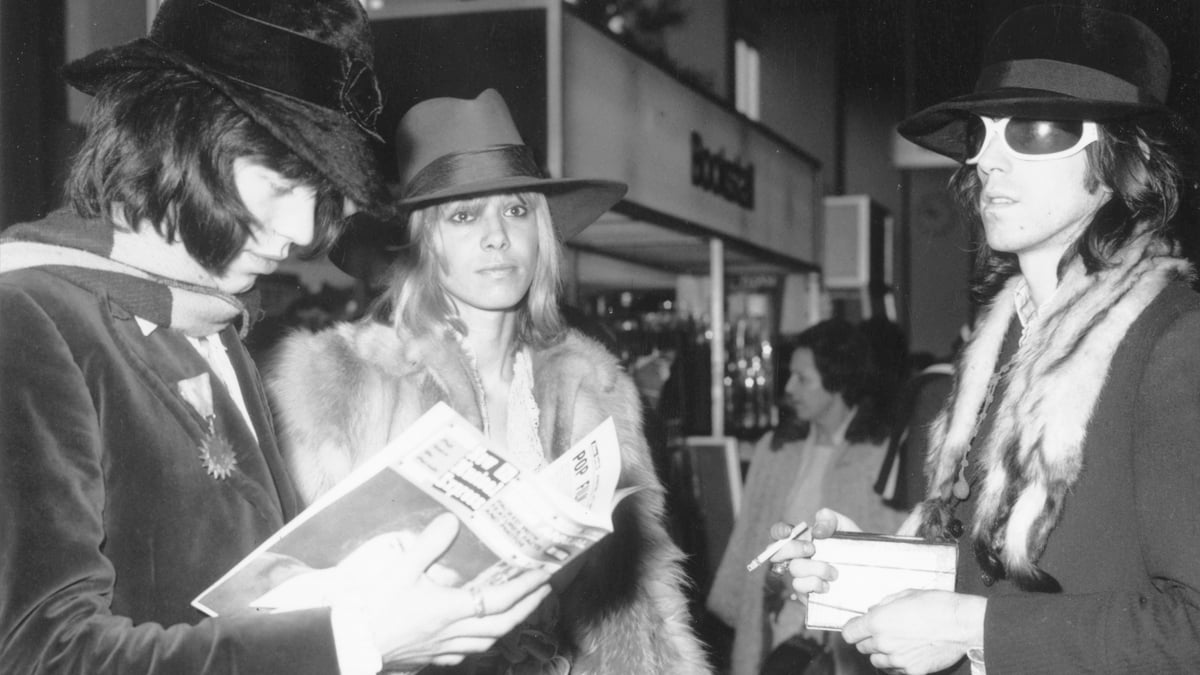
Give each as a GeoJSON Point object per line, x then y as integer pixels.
{"type": "Point", "coordinates": [342, 393]}
{"type": "Point", "coordinates": [1033, 453]}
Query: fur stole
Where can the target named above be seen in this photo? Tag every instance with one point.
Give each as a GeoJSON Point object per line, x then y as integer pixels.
{"type": "Point", "coordinates": [339, 395]}
{"type": "Point", "coordinates": [1035, 450]}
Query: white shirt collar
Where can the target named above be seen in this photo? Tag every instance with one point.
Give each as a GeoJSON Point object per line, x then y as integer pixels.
{"type": "Point", "coordinates": [1027, 309]}
{"type": "Point", "coordinates": [147, 326]}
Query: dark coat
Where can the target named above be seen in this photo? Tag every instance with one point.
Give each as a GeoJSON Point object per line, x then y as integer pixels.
{"type": "Point", "coordinates": [1083, 472]}
{"type": "Point", "coordinates": [109, 522]}
{"type": "Point", "coordinates": [1127, 547]}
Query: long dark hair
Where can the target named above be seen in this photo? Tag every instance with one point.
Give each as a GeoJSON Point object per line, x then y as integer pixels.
{"type": "Point", "coordinates": [161, 146]}
{"type": "Point", "coordinates": [1143, 161]}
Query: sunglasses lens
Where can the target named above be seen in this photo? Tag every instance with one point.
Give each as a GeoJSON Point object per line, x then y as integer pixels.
{"type": "Point", "coordinates": [1042, 137]}
{"type": "Point", "coordinates": [976, 135]}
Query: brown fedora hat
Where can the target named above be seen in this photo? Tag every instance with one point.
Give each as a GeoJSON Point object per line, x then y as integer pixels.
{"type": "Point", "coordinates": [302, 69]}
{"type": "Point", "coordinates": [1055, 62]}
{"type": "Point", "coordinates": [451, 148]}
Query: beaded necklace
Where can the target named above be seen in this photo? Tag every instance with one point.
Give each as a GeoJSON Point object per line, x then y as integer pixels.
{"type": "Point", "coordinates": [962, 487]}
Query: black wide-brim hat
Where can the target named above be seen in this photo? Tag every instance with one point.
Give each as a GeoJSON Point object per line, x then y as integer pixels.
{"type": "Point", "coordinates": [1055, 62]}
{"type": "Point", "coordinates": [301, 69]}
{"type": "Point", "coordinates": [453, 148]}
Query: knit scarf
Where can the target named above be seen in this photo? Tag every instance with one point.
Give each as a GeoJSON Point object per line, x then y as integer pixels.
{"type": "Point", "coordinates": [1034, 453]}
{"type": "Point", "coordinates": [91, 254]}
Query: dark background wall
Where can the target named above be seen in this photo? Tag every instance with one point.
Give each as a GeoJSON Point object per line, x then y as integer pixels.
{"type": "Point", "coordinates": [837, 76]}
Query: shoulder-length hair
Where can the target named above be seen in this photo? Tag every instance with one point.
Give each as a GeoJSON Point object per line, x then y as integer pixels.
{"type": "Point", "coordinates": [160, 148]}
{"type": "Point", "coordinates": [1139, 159]}
{"type": "Point", "coordinates": [843, 355]}
{"type": "Point", "coordinates": [415, 302]}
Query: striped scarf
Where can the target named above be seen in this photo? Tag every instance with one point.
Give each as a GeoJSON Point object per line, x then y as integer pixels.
{"type": "Point", "coordinates": [82, 252]}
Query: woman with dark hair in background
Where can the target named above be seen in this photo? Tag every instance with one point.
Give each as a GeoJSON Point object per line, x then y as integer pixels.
{"type": "Point", "coordinates": [791, 475]}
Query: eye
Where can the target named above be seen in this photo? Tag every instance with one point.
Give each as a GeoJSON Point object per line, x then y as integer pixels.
{"type": "Point", "coordinates": [460, 216]}
{"type": "Point", "coordinates": [517, 211]}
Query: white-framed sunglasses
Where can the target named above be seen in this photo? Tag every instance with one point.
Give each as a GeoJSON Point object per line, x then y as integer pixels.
{"type": "Point", "coordinates": [1030, 139]}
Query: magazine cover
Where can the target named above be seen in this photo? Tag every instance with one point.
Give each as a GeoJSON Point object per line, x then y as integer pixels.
{"type": "Point", "coordinates": [512, 519]}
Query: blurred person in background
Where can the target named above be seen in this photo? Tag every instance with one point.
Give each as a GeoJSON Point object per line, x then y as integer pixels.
{"type": "Point", "coordinates": [471, 317]}
{"type": "Point", "coordinates": [138, 461]}
{"type": "Point", "coordinates": [1066, 463]}
{"type": "Point", "coordinates": [834, 461]}
{"type": "Point", "coordinates": [901, 479]}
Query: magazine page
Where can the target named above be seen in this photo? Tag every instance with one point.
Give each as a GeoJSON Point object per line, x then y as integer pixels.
{"type": "Point", "coordinates": [588, 472]}
{"type": "Point", "coordinates": [511, 520]}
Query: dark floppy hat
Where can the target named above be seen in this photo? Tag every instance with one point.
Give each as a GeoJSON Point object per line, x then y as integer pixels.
{"type": "Point", "coordinates": [1055, 62]}
{"type": "Point", "coordinates": [302, 69]}
{"type": "Point", "coordinates": [450, 148]}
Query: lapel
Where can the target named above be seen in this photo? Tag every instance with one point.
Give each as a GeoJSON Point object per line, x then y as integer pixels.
{"type": "Point", "coordinates": [255, 396]}
{"type": "Point", "coordinates": [163, 359]}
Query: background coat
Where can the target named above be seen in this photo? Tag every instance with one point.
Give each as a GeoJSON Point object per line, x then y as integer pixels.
{"type": "Point", "coordinates": [737, 595]}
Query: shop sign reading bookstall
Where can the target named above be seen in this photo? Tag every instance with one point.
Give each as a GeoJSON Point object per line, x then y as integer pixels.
{"type": "Point", "coordinates": [725, 177]}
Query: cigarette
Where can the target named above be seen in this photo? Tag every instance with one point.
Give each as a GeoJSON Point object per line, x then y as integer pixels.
{"type": "Point", "coordinates": [771, 550]}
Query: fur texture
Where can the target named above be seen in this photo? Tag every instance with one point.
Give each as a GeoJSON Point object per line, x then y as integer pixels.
{"type": "Point", "coordinates": [1034, 452]}
{"type": "Point", "coordinates": [341, 394]}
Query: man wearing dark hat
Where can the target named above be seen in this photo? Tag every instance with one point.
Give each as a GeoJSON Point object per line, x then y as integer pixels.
{"type": "Point", "coordinates": [470, 318]}
{"type": "Point", "coordinates": [1066, 463]}
{"type": "Point", "coordinates": [138, 460]}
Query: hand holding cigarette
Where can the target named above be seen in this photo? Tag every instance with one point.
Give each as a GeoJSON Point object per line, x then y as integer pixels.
{"type": "Point", "coordinates": [772, 549]}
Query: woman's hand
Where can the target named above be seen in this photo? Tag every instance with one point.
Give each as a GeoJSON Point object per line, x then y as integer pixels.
{"type": "Point", "coordinates": [810, 576]}
{"type": "Point", "coordinates": [413, 620]}
{"type": "Point", "coordinates": [915, 632]}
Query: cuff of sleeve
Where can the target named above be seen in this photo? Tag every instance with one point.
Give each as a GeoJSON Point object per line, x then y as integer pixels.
{"type": "Point", "coordinates": [356, 653]}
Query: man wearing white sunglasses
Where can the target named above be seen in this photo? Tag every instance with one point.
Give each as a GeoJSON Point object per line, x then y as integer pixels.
{"type": "Point", "coordinates": [1066, 463]}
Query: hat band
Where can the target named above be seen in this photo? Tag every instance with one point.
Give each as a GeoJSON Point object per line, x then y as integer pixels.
{"type": "Point", "coordinates": [227, 40]}
{"type": "Point", "coordinates": [472, 167]}
{"type": "Point", "coordinates": [1061, 77]}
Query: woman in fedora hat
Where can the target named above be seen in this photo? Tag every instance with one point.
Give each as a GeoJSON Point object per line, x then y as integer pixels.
{"type": "Point", "coordinates": [138, 461]}
{"type": "Point", "coordinates": [1065, 464]}
{"type": "Point", "coordinates": [470, 317]}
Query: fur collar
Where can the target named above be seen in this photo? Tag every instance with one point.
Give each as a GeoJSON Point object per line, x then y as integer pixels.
{"type": "Point", "coordinates": [352, 387]}
{"type": "Point", "coordinates": [1034, 452]}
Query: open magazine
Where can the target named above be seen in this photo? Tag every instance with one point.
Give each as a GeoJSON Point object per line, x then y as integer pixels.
{"type": "Point", "coordinates": [513, 519]}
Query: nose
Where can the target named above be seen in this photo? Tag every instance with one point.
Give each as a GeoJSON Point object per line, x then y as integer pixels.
{"type": "Point", "coordinates": [992, 156]}
{"type": "Point", "coordinates": [294, 218]}
{"type": "Point", "coordinates": [495, 231]}
{"type": "Point", "coordinates": [789, 386]}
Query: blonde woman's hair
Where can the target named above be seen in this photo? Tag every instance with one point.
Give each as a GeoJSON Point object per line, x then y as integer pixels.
{"type": "Point", "coordinates": [416, 303]}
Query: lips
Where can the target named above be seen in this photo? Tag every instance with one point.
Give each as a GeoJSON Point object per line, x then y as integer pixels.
{"type": "Point", "coordinates": [269, 262]}
{"type": "Point", "coordinates": [497, 269]}
{"type": "Point", "coordinates": [994, 200]}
